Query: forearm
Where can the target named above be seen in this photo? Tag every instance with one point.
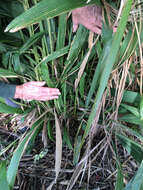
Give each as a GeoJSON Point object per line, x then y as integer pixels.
{"type": "Point", "coordinates": [7, 90]}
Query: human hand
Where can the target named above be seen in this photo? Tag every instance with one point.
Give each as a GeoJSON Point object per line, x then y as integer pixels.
{"type": "Point", "coordinates": [90, 17]}
{"type": "Point", "coordinates": [35, 90]}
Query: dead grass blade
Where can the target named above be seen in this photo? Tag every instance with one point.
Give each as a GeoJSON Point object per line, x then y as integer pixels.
{"type": "Point", "coordinates": [121, 85]}
{"type": "Point", "coordinates": [92, 133]}
{"type": "Point", "coordinates": [58, 150]}
{"type": "Point", "coordinates": [120, 11]}
{"type": "Point", "coordinates": [58, 147]}
{"type": "Point", "coordinates": [75, 175]}
{"type": "Point", "coordinates": [138, 29]}
{"type": "Point", "coordinates": [44, 133]}
{"type": "Point", "coordinates": [83, 65]}
{"type": "Point", "coordinates": [83, 163]}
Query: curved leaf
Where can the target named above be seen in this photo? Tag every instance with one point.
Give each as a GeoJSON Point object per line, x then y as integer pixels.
{"type": "Point", "coordinates": [45, 9]}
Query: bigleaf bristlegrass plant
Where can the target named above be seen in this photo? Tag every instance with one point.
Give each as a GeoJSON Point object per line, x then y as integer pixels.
{"type": "Point", "coordinates": [50, 51]}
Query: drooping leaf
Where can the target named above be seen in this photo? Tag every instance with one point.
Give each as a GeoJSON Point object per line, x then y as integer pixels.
{"type": "Point", "coordinates": [58, 156]}
{"type": "Point", "coordinates": [45, 9]}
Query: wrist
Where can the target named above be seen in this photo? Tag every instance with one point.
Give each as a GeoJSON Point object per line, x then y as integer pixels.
{"type": "Point", "coordinates": [18, 92]}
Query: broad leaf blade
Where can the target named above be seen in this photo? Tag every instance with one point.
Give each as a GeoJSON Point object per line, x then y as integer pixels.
{"type": "Point", "coordinates": [3, 180]}
{"type": "Point", "coordinates": [45, 9]}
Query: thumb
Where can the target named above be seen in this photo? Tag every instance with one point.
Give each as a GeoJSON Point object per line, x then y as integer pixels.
{"type": "Point", "coordinates": [37, 83]}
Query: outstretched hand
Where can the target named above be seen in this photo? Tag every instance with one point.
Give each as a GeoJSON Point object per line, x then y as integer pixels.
{"type": "Point", "coordinates": [35, 90]}
{"type": "Point", "coordinates": [90, 17]}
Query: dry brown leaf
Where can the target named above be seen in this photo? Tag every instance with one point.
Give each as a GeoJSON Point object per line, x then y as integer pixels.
{"type": "Point", "coordinates": [58, 156]}
{"type": "Point", "coordinates": [58, 147]}
{"type": "Point", "coordinates": [44, 133]}
{"type": "Point", "coordinates": [83, 65]}
{"type": "Point", "coordinates": [75, 176]}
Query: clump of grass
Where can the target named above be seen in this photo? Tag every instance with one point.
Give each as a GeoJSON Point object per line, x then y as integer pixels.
{"type": "Point", "coordinates": [95, 77]}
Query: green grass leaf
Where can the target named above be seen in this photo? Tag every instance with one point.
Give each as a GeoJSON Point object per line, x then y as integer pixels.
{"type": "Point", "coordinates": [137, 182]}
{"type": "Point", "coordinates": [130, 118]}
{"type": "Point", "coordinates": [45, 9]}
{"type": "Point", "coordinates": [7, 73]}
{"type": "Point", "coordinates": [3, 180]}
{"type": "Point", "coordinates": [76, 154]}
{"type": "Point", "coordinates": [131, 97]}
{"type": "Point", "coordinates": [82, 85]}
{"type": "Point", "coordinates": [10, 8]}
{"type": "Point", "coordinates": [8, 109]}
{"type": "Point", "coordinates": [131, 131]}
{"type": "Point", "coordinates": [56, 54]}
{"type": "Point", "coordinates": [99, 70]}
{"type": "Point", "coordinates": [133, 148]}
{"type": "Point", "coordinates": [119, 181]}
{"type": "Point", "coordinates": [66, 138]}
{"type": "Point", "coordinates": [61, 31]}
{"type": "Point", "coordinates": [141, 108]}
{"type": "Point", "coordinates": [131, 109]}
{"type": "Point", "coordinates": [31, 41]}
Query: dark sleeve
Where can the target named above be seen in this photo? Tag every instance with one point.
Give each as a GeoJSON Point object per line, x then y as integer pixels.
{"type": "Point", "coordinates": [7, 90]}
